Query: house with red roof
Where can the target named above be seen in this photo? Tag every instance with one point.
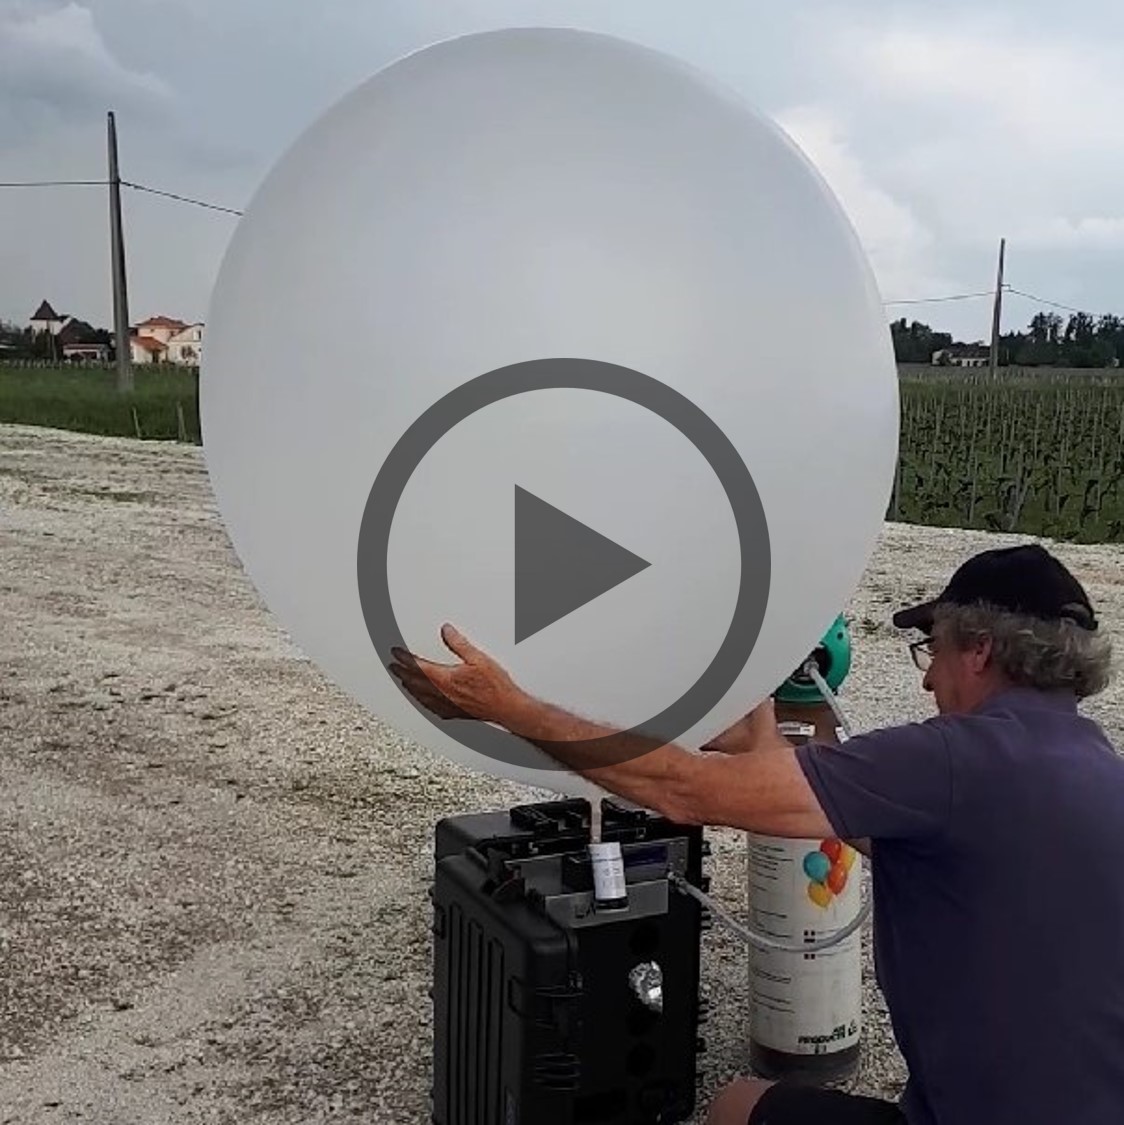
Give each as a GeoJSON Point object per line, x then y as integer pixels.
{"type": "Point", "coordinates": [164, 339]}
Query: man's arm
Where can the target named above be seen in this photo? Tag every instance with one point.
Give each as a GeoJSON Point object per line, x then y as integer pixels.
{"type": "Point", "coordinates": [750, 733]}
{"type": "Point", "coordinates": [891, 784]}
{"type": "Point", "coordinates": [763, 792]}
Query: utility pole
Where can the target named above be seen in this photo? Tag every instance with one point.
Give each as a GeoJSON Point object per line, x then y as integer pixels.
{"type": "Point", "coordinates": [998, 311]}
{"type": "Point", "coordinates": [117, 261]}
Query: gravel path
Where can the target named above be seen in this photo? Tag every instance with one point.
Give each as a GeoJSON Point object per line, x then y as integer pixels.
{"type": "Point", "coordinates": [213, 866]}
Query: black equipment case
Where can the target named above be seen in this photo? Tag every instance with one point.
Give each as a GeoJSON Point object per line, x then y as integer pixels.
{"type": "Point", "coordinates": [543, 1007]}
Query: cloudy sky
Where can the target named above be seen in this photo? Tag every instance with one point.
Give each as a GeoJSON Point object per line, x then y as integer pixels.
{"type": "Point", "coordinates": [941, 126]}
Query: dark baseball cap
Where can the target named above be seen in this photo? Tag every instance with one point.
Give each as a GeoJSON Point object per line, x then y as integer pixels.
{"type": "Point", "coordinates": [1025, 579]}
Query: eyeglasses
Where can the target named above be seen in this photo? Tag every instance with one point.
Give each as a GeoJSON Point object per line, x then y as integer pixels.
{"type": "Point", "coordinates": [922, 653]}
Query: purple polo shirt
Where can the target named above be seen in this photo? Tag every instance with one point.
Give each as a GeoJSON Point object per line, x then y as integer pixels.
{"type": "Point", "coordinates": [998, 878]}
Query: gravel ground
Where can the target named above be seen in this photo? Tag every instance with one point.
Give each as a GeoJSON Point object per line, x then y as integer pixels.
{"type": "Point", "coordinates": [213, 866]}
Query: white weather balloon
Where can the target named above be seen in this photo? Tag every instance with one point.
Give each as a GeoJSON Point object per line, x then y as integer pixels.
{"type": "Point", "coordinates": [532, 193]}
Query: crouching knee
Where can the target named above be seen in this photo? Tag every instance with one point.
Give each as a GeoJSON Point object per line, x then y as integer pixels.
{"type": "Point", "coordinates": [736, 1101]}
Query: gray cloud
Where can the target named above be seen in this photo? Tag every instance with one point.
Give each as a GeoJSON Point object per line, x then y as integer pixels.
{"type": "Point", "coordinates": [56, 72]}
{"type": "Point", "coordinates": [997, 124]}
{"type": "Point", "coordinates": [939, 130]}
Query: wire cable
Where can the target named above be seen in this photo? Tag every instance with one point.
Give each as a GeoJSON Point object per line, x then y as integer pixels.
{"type": "Point", "coordinates": [1044, 301]}
{"type": "Point", "coordinates": [763, 941]}
{"type": "Point", "coordinates": [53, 183]}
{"type": "Point", "coordinates": [936, 300]}
{"type": "Point", "coordinates": [124, 183]}
{"type": "Point", "coordinates": [179, 198]}
{"type": "Point", "coordinates": [175, 196]}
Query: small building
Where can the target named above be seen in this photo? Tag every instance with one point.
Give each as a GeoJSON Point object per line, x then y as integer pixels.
{"type": "Point", "coordinates": [963, 355]}
{"type": "Point", "coordinates": [86, 353]}
{"type": "Point", "coordinates": [45, 319]}
{"type": "Point", "coordinates": [80, 342]}
{"type": "Point", "coordinates": [163, 339]}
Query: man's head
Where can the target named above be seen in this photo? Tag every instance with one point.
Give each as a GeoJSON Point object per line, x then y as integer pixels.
{"type": "Point", "coordinates": [1012, 617]}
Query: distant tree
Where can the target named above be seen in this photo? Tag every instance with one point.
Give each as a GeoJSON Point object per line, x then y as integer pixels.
{"type": "Point", "coordinates": [1110, 335]}
{"type": "Point", "coordinates": [1045, 328]}
{"type": "Point", "coordinates": [1011, 346]}
{"type": "Point", "coordinates": [1081, 329]}
{"type": "Point", "coordinates": [916, 342]}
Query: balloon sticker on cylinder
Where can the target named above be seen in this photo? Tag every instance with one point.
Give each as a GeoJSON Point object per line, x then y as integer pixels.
{"type": "Point", "coordinates": [827, 869]}
{"type": "Point", "coordinates": [505, 339]}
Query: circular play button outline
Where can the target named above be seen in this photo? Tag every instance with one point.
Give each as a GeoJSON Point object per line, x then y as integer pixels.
{"type": "Point", "coordinates": [642, 390]}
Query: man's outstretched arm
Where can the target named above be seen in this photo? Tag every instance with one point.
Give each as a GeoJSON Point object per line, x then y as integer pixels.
{"type": "Point", "coordinates": [748, 735]}
{"type": "Point", "coordinates": [765, 791]}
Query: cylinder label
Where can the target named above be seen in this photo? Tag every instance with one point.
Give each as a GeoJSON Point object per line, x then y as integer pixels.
{"type": "Point", "coordinates": [804, 890]}
{"type": "Point", "coordinates": [608, 872]}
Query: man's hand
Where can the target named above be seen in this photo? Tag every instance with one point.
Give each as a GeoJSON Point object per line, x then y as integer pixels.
{"type": "Point", "coordinates": [477, 687]}
{"type": "Point", "coordinates": [753, 731]}
{"type": "Point", "coordinates": [757, 785]}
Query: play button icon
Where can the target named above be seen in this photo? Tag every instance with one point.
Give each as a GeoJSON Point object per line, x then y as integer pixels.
{"type": "Point", "coordinates": [561, 564]}
{"type": "Point", "coordinates": [556, 564]}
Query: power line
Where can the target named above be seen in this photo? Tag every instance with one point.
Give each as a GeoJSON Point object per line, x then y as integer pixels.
{"type": "Point", "coordinates": [991, 293]}
{"type": "Point", "coordinates": [935, 300]}
{"type": "Point", "coordinates": [124, 183]}
{"type": "Point", "coordinates": [1043, 301]}
{"type": "Point", "coordinates": [176, 197]}
{"type": "Point", "coordinates": [180, 198]}
{"type": "Point", "coordinates": [53, 183]}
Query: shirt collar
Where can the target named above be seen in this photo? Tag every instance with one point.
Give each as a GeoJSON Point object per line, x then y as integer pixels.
{"type": "Point", "coordinates": [1029, 699]}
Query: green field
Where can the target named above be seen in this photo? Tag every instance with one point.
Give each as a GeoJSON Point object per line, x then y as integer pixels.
{"type": "Point", "coordinates": [1035, 452]}
{"type": "Point", "coordinates": [86, 399]}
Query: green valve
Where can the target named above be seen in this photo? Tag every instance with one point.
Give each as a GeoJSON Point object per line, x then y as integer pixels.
{"type": "Point", "coordinates": [833, 661]}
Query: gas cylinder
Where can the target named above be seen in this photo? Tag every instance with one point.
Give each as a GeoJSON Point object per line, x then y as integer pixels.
{"type": "Point", "coordinates": [806, 1008]}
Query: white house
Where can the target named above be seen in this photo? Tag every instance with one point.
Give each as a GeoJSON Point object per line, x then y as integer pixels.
{"type": "Point", "coordinates": [963, 355]}
{"type": "Point", "coordinates": [87, 351]}
{"type": "Point", "coordinates": [162, 339]}
{"type": "Point", "coordinates": [187, 346]}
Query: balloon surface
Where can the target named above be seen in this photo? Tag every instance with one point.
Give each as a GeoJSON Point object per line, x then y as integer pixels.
{"type": "Point", "coordinates": [530, 194]}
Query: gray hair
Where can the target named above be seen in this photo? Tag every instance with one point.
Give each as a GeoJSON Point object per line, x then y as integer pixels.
{"type": "Point", "coordinates": [1031, 652]}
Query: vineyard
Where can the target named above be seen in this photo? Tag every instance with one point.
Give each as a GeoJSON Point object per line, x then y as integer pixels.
{"type": "Point", "coordinates": [1039, 452]}
{"type": "Point", "coordinates": [1034, 454]}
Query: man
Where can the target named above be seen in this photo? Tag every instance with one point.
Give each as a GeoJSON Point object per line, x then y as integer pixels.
{"type": "Point", "coordinates": [996, 836]}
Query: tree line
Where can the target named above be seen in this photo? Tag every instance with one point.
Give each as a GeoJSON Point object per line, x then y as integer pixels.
{"type": "Point", "coordinates": [1050, 340]}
